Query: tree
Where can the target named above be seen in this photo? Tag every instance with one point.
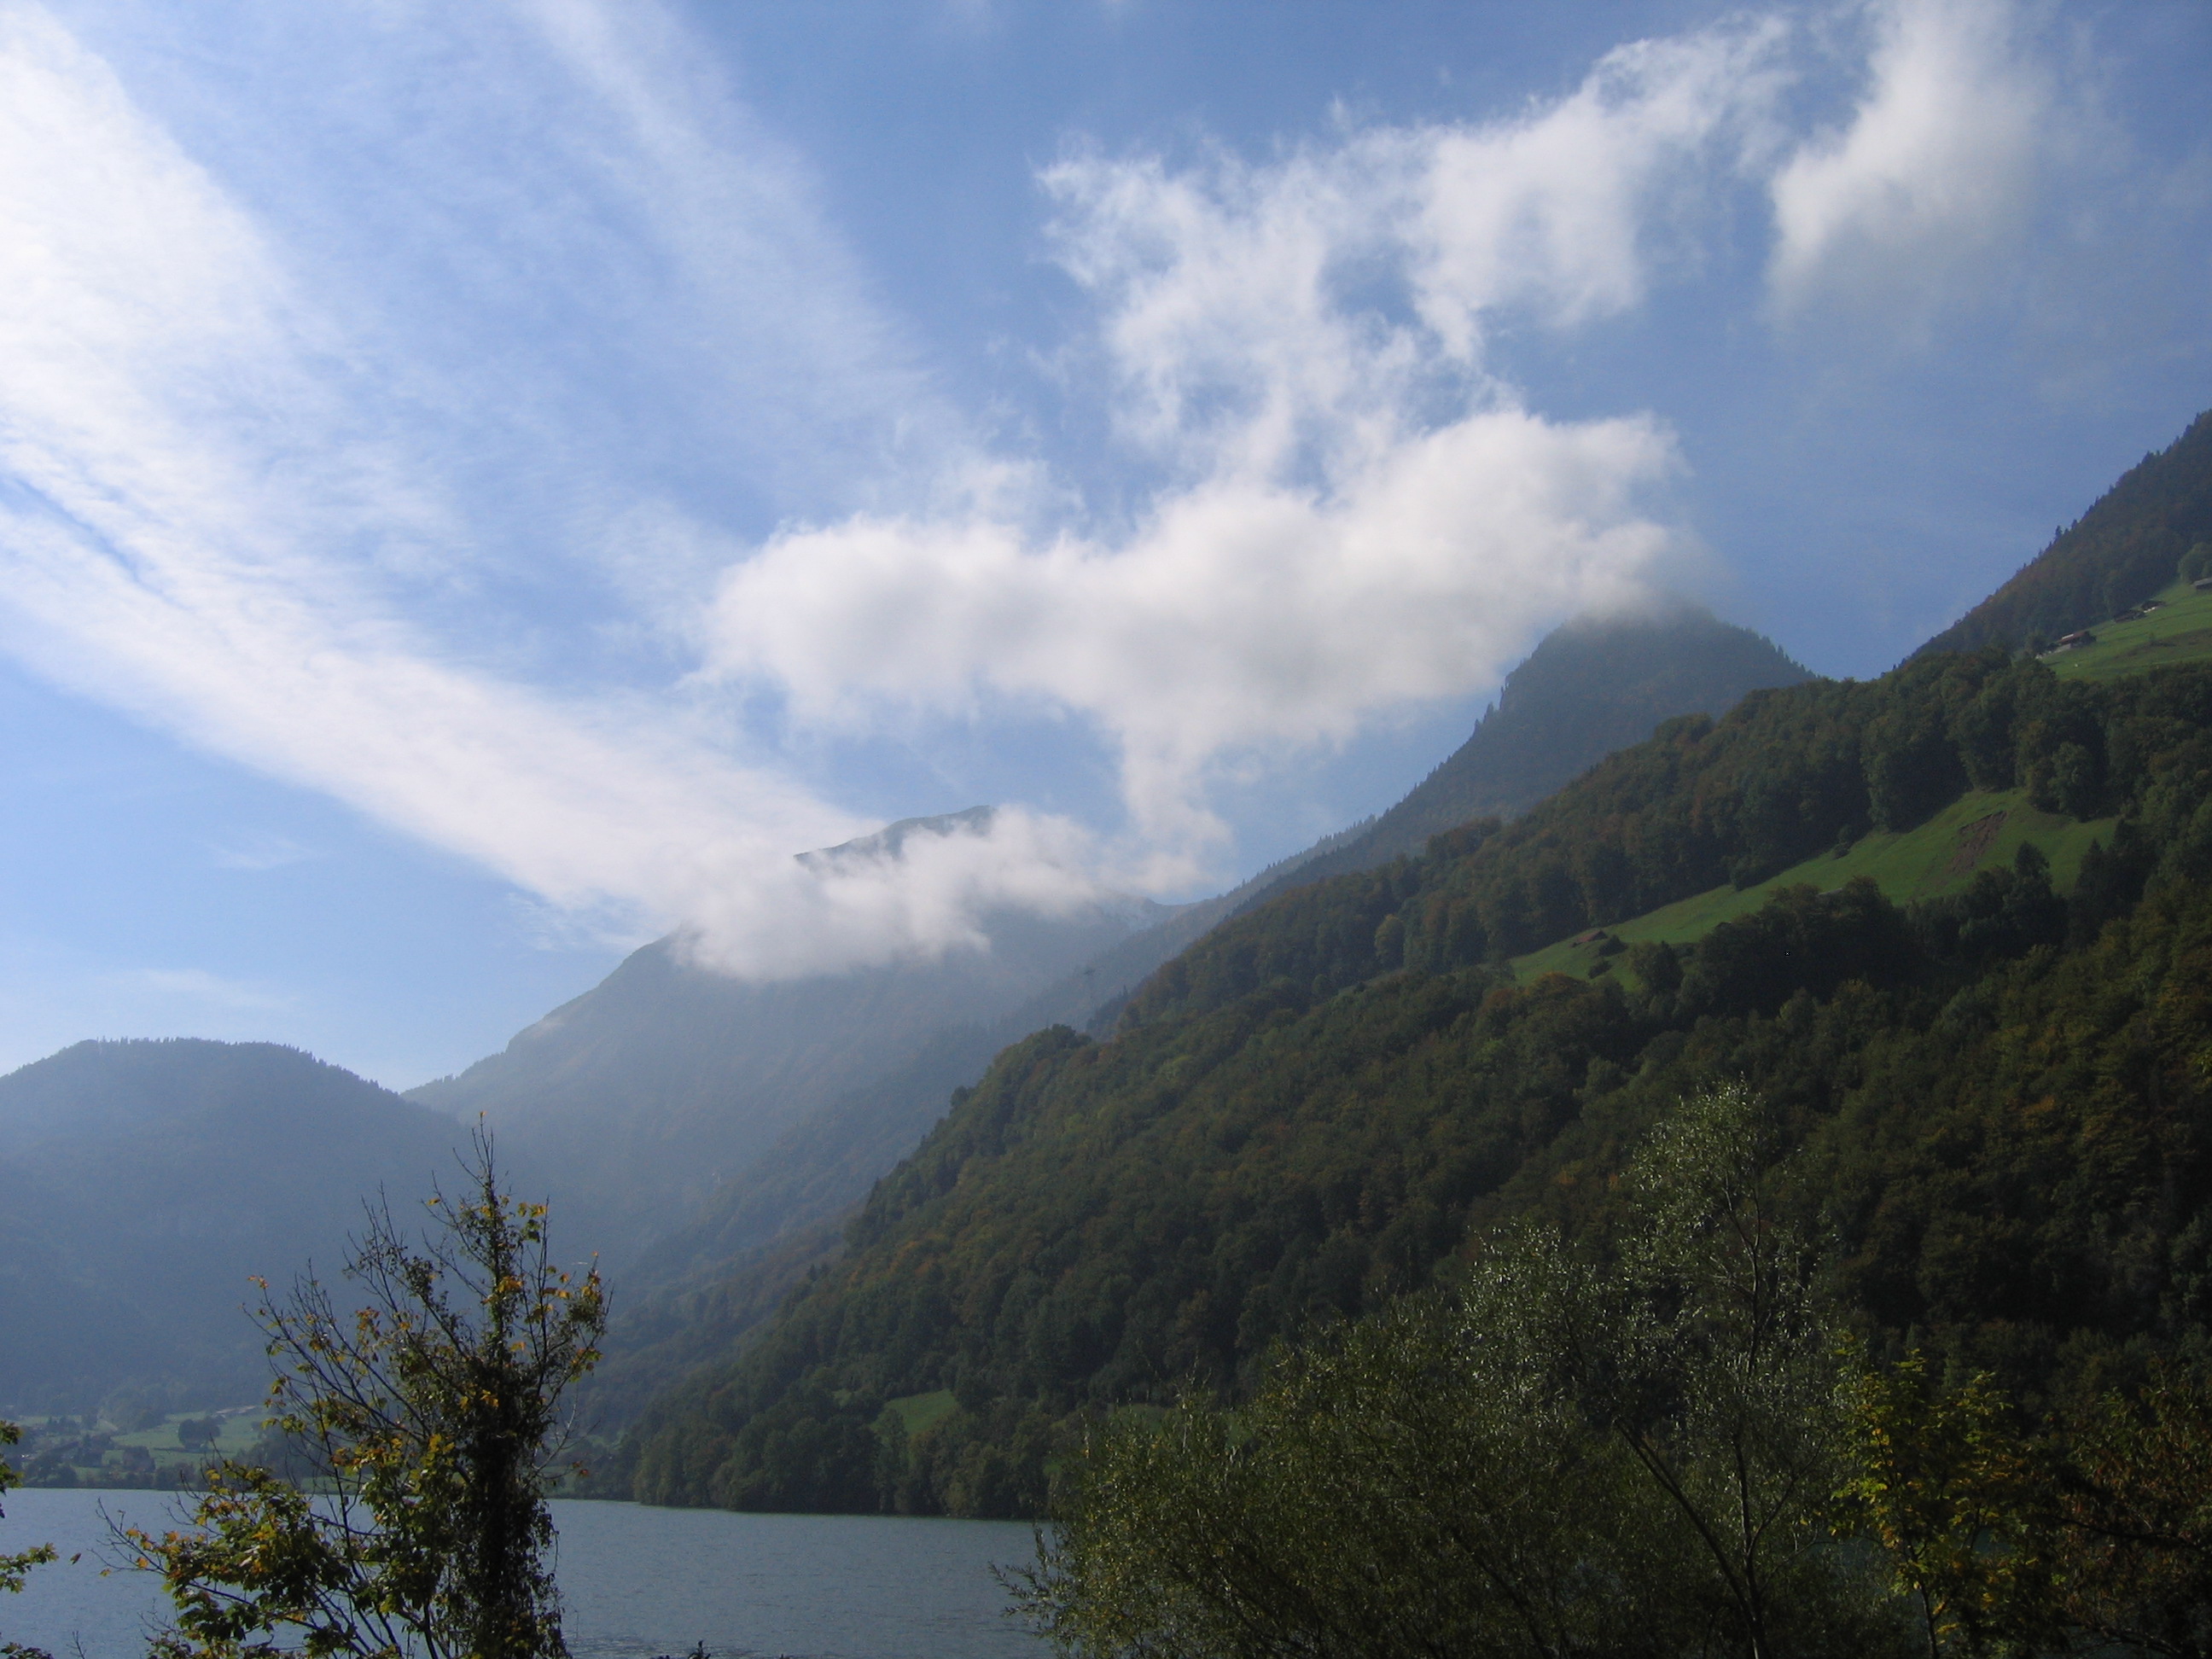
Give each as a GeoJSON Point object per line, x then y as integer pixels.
{"type": "Point", "coordinates": [1413, 1486]}
{"type": "Point", "coordinates": [1952, 1493]}
{"type": "Point", "coordinates": [2138, 1540]}
{"type": "Point", "coordinates": [13, 1567]}
{"type": "Point", "coordinates": [1572, 1454]}
{"type": "Point", "coordinates": [1709, 1352]}
{"type": "Point", "coordinates": [434, 1408]}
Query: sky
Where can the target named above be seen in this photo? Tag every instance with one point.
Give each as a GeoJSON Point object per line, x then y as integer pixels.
{"type": "Point", "coordinates": [481, 487]}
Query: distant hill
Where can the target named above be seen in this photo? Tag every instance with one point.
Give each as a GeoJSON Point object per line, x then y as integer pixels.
{"type": "Point", "coordinates": [142, 1183]}
{"type": "Point", "coordinates": [2122, 550]}
{"type": "Point", "coordinates": [1593, 685]}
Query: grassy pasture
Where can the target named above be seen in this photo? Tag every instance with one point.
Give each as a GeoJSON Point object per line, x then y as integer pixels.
{"type": "Point", "coordinates": [1943, 854]}
{"type": "Point", "coordinates": [917, 1412]}
{"type": "Point", "coordinates": [236, 1433]}
{"type": "Point", "coordinates": [2182, 632]}
{"type": "Point", "coordinates": [1979, 829]}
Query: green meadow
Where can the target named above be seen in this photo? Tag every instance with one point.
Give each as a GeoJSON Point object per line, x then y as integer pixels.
{"type": "Point", "coordinates": [2180, 632]}
{"type": "Point", "coordinates": [1939, 856]}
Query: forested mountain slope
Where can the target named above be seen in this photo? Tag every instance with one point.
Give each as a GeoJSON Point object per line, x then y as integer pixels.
{"type": "Point", "coordinates": [1319, 1104]}
{"type": "Point", "coordinates": [2122, 550]}
{"type": "Point", "coordinates": [141, 1184]}
{"type": "Point", "coordinates": [1592, 686]}
{"type": "Point", "coordinates": [640, 1101]}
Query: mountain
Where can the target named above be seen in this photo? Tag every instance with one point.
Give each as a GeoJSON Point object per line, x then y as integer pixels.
{"type": "Point", "coordinates": [1594, 685]}
{"type": "Point", "coordinates": [694, 1294]}
{"type": "Point", "coordinates": [145, 1182]}
{"type": "Point", "coordinates": [1322, 1103]}
{"type": "Point", "coordinates": [640, 1101]}
{"type": "Point", "coordinates": [1988, 1052]}
{"type": "Point", "coordinates": [2122, 550]}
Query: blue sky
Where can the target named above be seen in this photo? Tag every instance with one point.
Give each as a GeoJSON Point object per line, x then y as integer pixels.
{"type": "Point", "coordinates": [480, 486]}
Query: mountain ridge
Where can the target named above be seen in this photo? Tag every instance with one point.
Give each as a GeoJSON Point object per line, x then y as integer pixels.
{"type": "Point", "coordinates": [1324, 1100]}
{"type": "Point", "coordinates": [129, 1236]}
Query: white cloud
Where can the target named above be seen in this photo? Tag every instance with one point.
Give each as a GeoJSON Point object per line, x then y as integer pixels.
{"type": "Point", "coordinates": [198, 501]}
{"type": "Point", "coordinates": [1244, 612]}
{"type": "Point", "coordinates": [1356, 516]}
{"type": "Point", "coordinates": [260, 851]}
{"type": "Point", "coordinates": [1937, 165]}
{"type": "Point", "coordinates": [1257, 316]}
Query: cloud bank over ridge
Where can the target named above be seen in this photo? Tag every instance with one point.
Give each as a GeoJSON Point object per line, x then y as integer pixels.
{"type": "Point", "coordinates": [500, 525]}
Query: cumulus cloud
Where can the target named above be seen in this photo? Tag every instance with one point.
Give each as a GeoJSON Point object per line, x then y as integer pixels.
{"type": "Point", "coordinates": [1256, 316]}
{"type": "Point", "coordinates": [1356, 515]}
{"type": "Point", "coordinates": [1244, 612]}
{"type": "Point", "coordinates": [1937, 164]}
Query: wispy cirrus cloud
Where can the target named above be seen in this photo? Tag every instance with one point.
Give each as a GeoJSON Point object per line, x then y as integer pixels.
{"type": "Point", "coordinates": [466, 412]}
{"type": "Point", "coordinates": [219, 517]}
{"type": "Point", "coordinates": [261, 850]}
{"type": "Point", "coordinates": [197, 988]}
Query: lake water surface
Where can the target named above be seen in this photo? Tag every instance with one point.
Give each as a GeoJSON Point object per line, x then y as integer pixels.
{"type": "Point", "coordinates": [636, 1582]}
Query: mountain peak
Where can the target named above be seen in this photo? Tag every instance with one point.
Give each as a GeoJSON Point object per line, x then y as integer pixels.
{"type": "Point", "coordinates": [890, 841]}
{"type": "Point", "coordinates": [1596, 683]}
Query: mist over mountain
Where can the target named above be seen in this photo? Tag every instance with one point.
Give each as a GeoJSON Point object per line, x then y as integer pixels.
{"type": "Point", "coordinates": [1593, 685]}
{"type": "Point", "coordinates": [637, 1102]}
{"type": "Point", "coordinates": [145, 1182]}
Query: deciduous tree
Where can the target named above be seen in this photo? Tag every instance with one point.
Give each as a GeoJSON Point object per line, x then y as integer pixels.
{"type": "Point", "coordinates": [14, 1566]}
{"type": "Point", "coordinates": [434, 1406]}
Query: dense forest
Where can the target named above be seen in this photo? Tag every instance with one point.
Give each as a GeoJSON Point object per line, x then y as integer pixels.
{"type": "Point", "coordinates": [1998, 1096]}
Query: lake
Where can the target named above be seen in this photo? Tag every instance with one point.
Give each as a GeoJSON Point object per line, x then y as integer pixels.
{"type": "Point", "coordinates": [636, 1582]}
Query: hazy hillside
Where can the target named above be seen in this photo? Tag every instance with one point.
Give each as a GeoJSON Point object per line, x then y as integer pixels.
{"type": "Point", "coordinates": [1595, 686]}
{"type": "Point", "coordinates": [694, 1294]}
{"type": "Point", "coordinates": [141, 1184]}
{"type": "Point", "coordinates": [2122, 550]}
{"type": "Point", "coordinates": [643, 1098]}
